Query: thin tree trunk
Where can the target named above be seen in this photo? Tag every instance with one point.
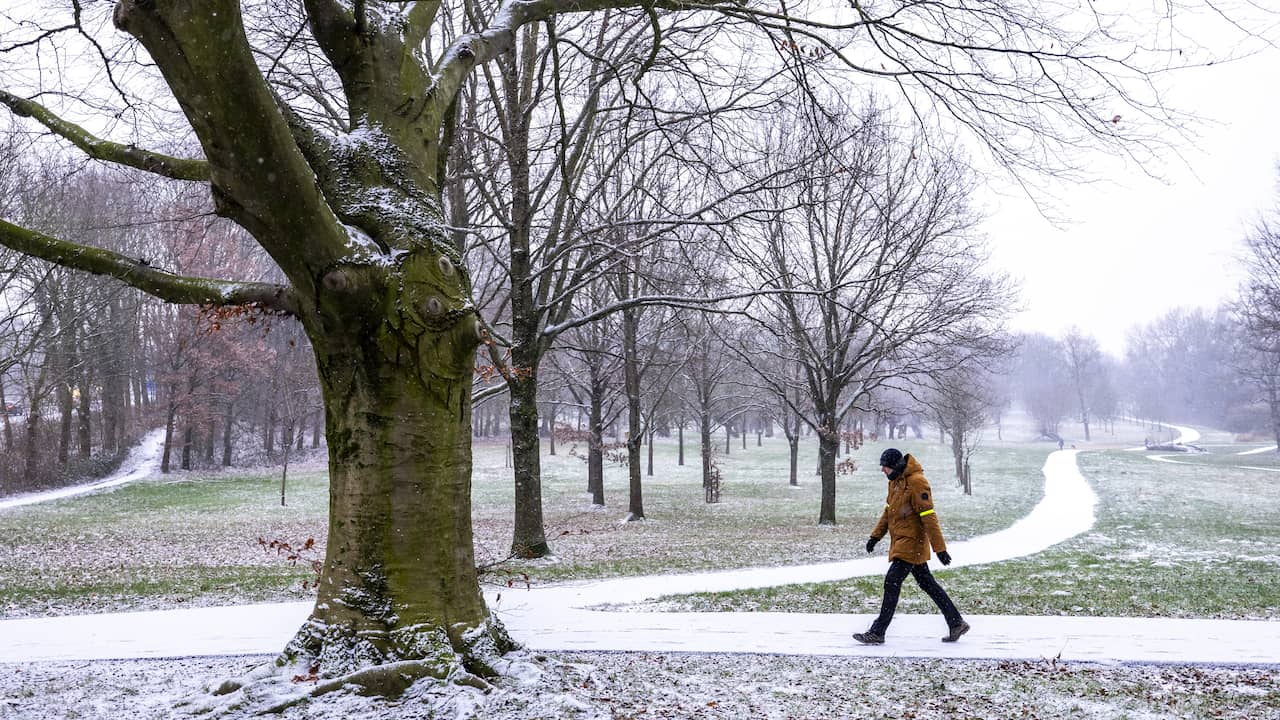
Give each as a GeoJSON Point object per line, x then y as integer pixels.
{"type": "Point", "coordinates": [269, 428]}
{"type": "Point", "coordinates": [228, 421]}
{"type": "Point", "coordinates": [828, 443]}
{"type": "Point", "coordinates": [680, 442]}
{"type": "Point", "coordinates": [709, 488]}
{"type": "Point", "coordinates": [168, 429]}
{"type": "Point", "coordinates": [31, 443]}
{"type": "Point", "coordinates": [529, 538]}
{"type": "Point", "coordinates": [635, 433]}
{"type": "Point", "coordinates": [794, 443]}
{"type": "Point", "coordinates": [4, 411]}
{"type": "Point", "coordinates": [649, 469]}
{"type": "Point", "coordinates": [551, 431]}
{"type": "Point", "coordinates": [595, 447]}
{"type": "Point", "coordinates": [84, 416]}
{"type": "Point", "coordinates": [284, 469]}
{"type": "Point", "coordinates": [64, 418]}
{"type": "Point", "coordinates": [188, 436]}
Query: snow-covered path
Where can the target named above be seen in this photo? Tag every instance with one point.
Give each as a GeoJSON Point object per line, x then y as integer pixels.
{"type": "Point", "coordinates": [1065, 511]}
{"type": "Point", "coordinates": [141, 462]}
{"type": "Point", "coordinates": [264, 630]}
{"type": "Point", "coordinates": [559, 617]}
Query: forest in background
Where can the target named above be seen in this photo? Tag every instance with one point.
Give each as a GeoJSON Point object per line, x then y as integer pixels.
{"type": "Point", "coordinates": [88, 365]}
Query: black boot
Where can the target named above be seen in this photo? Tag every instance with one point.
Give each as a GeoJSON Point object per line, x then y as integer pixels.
{"type": "Point", "coordinates": [956, 632]}
{"type": "Point", "coordinates": [870, 637]}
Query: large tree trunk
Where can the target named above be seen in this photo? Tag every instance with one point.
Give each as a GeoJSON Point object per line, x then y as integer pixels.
{"type": "Point", "coordinates": [357, 229]}
{"type": "Point", "coordinates": [399, 578]}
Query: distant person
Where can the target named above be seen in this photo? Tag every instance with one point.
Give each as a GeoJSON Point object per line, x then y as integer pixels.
{"type": "Point", "coordinates": [913, 526]}
{"type": "Point", "coordinates": [1059, 443]}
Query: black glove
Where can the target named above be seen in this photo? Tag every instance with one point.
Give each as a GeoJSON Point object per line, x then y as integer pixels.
{"type": "Point", "coordinates": [944, 557]}
{"type": "Point", "coordinates": [871, 544]}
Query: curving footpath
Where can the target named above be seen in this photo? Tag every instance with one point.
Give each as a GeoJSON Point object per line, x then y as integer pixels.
{"type": "Point", "coordinates": [571, 617]}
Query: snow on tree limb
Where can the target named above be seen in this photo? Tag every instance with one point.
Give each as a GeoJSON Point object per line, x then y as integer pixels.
{"type": "Point", "coordinates": [100, 149]}
{"type": "Point", "coordinates": [139, 273]}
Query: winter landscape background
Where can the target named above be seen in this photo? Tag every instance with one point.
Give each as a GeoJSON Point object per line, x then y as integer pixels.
{"type": "Point", "coordinates": [487, 358]}
{"type": "Point", "coordinates": [1076, 583]}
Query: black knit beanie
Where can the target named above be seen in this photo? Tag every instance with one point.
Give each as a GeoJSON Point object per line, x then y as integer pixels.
{"type": "Point", "coordinates": [890, 458]}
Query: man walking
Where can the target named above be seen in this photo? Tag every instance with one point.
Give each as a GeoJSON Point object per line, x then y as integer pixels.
{"type": "Point", "coordinates": [913, 527]}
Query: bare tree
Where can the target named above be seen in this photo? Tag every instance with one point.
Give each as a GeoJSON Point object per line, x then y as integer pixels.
{"type": "Point", "coordinates": [1181, 366]}
{"type": "Point", "coordinates": [1043, 382]}
{"type": "Point", "coordinates": [1259, 311]}
{"type": "Point", "coordinates": [1084, 363]}
{"type": "Point", "coordinates": [964, 398]}
{"type": "Point", "coordinates": [588, 358]}
{"type": "Point", "coordinates": [875, 272]}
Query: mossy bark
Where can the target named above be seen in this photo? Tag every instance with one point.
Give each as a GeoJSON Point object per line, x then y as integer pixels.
{"type": "Point", "coordinates": [356, 225]}
{"type": "Point", "coordinates": [399, 578]}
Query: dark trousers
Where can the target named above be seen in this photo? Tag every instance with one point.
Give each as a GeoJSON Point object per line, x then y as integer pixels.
{"type": "Point", "coordinates": [898, 571]}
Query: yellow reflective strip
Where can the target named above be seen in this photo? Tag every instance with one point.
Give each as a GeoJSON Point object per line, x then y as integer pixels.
{"type": "Point", "coordinates": [926, 512]}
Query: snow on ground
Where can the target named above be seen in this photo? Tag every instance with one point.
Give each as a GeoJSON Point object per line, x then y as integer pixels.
{"type": "Point", "coordinates": [591, 615]}
{"type": "Point", "coordinates": [756, 664]}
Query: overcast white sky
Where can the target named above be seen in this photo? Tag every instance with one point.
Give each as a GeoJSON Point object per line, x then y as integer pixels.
{"type": "Point", "coordinates": [1140, 247]}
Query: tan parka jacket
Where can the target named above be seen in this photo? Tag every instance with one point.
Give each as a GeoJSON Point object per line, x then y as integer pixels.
{"type": "Point", "coordinates": [909, 518]}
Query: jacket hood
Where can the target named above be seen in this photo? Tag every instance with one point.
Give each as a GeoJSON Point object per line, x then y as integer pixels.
{"type": "Point", "coordinates": [913, 466]}
{"type": "Point", "coordinates": [907, 466]}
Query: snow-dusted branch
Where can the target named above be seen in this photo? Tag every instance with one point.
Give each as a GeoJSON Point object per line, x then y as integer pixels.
{"type": "Point", "coordinates": [139, 273]}
{"type": "Point", "coordinates": [99, 149]}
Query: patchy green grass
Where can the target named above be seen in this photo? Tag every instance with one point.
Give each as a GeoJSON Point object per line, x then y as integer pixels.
{"type": "Point", "coordinates": [162, 542]}
{"type": "Point", "coordinates": [760, 519]}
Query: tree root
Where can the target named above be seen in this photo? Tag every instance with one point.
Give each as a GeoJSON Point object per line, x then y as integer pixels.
{"type": "Point", "coordinates": [231, 685]}
{"type": "Point", "coordinates": [390, 680]}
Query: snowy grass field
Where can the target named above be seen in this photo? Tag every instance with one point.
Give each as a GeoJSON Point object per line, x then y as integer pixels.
{"type": "Point", "coordinates": [1195, 538]}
